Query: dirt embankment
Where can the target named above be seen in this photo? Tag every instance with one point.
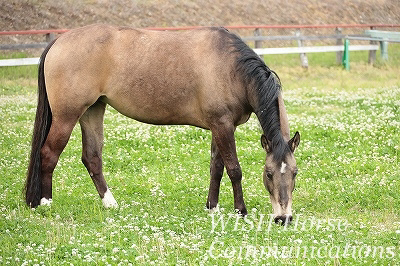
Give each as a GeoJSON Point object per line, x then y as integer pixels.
{"type": "Point", "coordinates": [46, 14]}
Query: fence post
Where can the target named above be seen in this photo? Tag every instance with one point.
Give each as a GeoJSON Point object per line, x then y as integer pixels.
{"type": "Point", "coordinates": [346, 55]}
{"type": "Point", "coordinates": [339, 41]}
{"type": "Point", "coordinates": [372, 53]}
{"type": "Point", "coordinates": [303, 56]}
{"type": "Point", "coordinates": [258, 43]}
{"type": "Point", "coordinates": [50, 37]}
{"type": "Point", "coordinates": [384, 50]}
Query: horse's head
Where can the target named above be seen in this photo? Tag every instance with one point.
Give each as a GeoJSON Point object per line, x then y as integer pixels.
{"type": "Point", "coordinates": [279, 178]}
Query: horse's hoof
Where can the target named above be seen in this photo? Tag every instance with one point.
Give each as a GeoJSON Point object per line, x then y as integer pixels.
{"type": "Point", "coordinates": [108, 200]}
{"type": "Point", "coordinates": [45, 202]}
{"type": "Point", "coordinates": [213, 209]}
{"type": "Point", "coordinates": [242, 212]}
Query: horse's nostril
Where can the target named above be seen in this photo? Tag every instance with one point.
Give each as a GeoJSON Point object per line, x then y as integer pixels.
{"type": "Point", "coordinates": [283, 219]}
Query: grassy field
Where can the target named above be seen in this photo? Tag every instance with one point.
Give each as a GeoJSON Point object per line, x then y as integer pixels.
{"type": "Point", "coordinates": [346, 202]}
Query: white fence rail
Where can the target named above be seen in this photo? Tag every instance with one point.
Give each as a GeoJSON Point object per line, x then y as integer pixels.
{"type": "Point", "coordinates": [19, 62]}
{"type": "Point", "coordinates": [259, 51]}
{"type": "Point", "coordinates": [313, 49]}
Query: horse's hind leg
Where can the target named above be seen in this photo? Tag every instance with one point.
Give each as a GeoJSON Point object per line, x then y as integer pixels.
{"type": "Point", "coordinates": [216, 172]}
{"type": "Point", "coordinates": [56, 140]}
{"type": "Point", "coordinates": [92, 144]}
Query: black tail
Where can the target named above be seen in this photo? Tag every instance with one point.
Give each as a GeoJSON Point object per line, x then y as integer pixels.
{"type": "Point", "coordinates": [33, 186]}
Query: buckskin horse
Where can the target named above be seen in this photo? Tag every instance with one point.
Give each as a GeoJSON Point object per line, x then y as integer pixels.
{"type": "Point", "coordinates": [206, 77]}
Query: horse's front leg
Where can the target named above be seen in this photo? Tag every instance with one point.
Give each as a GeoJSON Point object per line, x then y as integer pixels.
{"type": "Point", "coordinates": [223, 135]}
{"type": "Point", "coordinates": [216, 172]}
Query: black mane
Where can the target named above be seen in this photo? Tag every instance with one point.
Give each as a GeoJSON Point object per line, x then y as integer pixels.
{"type": "Point", "coordinates": [266, 87]}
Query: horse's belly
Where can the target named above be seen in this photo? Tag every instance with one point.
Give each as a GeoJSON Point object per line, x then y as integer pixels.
{"type": "Point", "coordinates": [158, 112]}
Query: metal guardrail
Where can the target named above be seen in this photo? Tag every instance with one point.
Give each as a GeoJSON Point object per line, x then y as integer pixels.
{"type": "Point", "coordinates": [374, 36]}
{"type": "Point", "coordinates": [370, 39]}
{"type": "Point", "coordinates": [313, 49]}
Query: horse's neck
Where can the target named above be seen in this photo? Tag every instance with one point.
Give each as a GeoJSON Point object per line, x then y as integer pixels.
{"type": "Point", "coordinates": [283, 119]}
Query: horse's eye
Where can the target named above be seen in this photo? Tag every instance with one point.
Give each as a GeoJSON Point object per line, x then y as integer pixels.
{"type": "Point", "coordinates": [269, 175]}
{"type": "Point", "coordinates": [294, 174]}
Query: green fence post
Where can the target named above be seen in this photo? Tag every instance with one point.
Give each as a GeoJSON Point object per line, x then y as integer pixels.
{"type": "Point", "coordinates": [346, 58]}
{"type": "Point", "coordinates": [384, 50]}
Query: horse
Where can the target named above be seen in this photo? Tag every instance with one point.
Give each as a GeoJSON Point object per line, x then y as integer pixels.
{"type": "Point", "coordinates": [207, 77]}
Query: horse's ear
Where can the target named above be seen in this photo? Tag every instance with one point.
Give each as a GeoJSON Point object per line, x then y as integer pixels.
{"type": "Point", "coordinates": [295, 141]}
{"type": "Point", "coordinates": [265, 143]}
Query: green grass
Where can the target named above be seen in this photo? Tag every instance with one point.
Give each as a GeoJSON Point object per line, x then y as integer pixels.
{"type": "Point", "coordinates": [346, 202]}
{"type": "Point", "coordinates": [15, 79]}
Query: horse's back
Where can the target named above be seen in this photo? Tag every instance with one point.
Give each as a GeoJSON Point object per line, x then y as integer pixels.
{"type": "Point", "coordinates": [151, 76]}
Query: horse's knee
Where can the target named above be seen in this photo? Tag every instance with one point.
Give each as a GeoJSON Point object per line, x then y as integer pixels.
{"type": "Point", "coordinates": [235, 173]}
